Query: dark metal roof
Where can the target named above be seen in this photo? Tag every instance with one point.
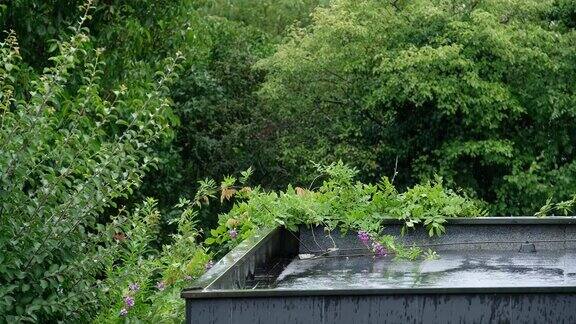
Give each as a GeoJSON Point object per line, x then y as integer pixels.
{"type": "Point", "coordinates": [480, 255]}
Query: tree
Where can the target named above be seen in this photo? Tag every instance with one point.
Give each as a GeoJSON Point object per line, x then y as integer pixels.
{"type": "Point", "coordinates": [479, 92]}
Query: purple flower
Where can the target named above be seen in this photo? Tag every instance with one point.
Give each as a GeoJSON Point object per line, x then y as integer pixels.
{"type": "Point", "coordinates": [160, 285]}
{"type": "Point", "coordinates": [129, 301]}
{"type": "Point", "coordinates": [134, 287]}
{"type": "Point", "coordinates": [233, 233]}
{"type": "Point", "coordinates": [123, 312]}
{"type": "Point", "coordinates": [209, 265]}
{"type": "Point", "coordinates": [379, 250]}
{"type": "Point", "coordinates": [364, 237]}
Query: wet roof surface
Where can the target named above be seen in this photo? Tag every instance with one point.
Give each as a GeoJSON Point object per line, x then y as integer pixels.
{"type": "Point", "coordinates": [453, 269]}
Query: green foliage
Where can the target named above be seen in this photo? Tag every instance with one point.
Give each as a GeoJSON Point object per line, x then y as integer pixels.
{"type": "Point", "coordinates": [214, 100]}
{"type": "Point", "coordinates": [217, 116]}
{"type": "Point", "coordinates": [67, 153]}
{"type": "Point", "coordinates": [133, 29]}
{"type": "Point", "coordinates": [469, 90]}
{"type": "Point", "coordinates": [564, 13]}
{"type": "Point", "coordinates": [38, 23]}
{"type": "Point", "coordinates": [345, 204]}
{"type": "Point", "coordinates": [152, 277]}
{"type": "Point", "coordinates": [271, 16]}
{"type": "Point", "coordinates": [479, 92]}
{"type": "Point", "coordinates": [562, 208]}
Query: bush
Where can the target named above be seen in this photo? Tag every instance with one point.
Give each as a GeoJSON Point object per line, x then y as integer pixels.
{"type": "Point", "coordinates": [145, 282]}
{"type": "Point", "coordinates": [271, 16]}
{"type": "Point", "coordinates": [217, 109]}
{"type": "Point", "coordinates": [67, 153]}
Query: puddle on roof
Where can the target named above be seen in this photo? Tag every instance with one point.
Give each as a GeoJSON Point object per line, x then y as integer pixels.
{"type": "Point", "coordinates": [453, 269]}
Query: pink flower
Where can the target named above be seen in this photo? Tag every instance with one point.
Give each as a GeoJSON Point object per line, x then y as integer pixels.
{"type": "Point", "coordinates": [134, 287]}
{"type": "Point", "coordinates": [379, 250]}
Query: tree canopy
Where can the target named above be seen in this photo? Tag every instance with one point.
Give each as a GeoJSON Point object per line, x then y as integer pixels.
{"type": "Point", "coordinates": [479, 92]}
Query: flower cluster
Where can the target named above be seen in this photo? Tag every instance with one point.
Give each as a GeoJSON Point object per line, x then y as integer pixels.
{"type": "Point", "coordinates": [379, 249]}
{"type": "Point", "coordinates": [364, 237]}
{"type": "Point", "coordinates": [134, 287]}
{"type": "Point", "coordinates": [129, 299]}
{"type": "Point", "coordinates": [233, 233]}
{"type": "Point", "coordinates": [160, 285]}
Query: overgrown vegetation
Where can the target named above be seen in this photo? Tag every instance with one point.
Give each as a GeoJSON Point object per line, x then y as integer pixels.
{"type": "Point", "coordinates": [67, 154]}
{"type": "Point", "coordinates": [144, 282]}
{"type": "Point", "coordinates": [123, 100]}
{"type": "Point", "coordinates": [342, 203]}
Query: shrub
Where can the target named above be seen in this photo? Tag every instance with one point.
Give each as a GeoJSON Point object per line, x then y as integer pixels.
{"type": "Point", "coordinates": [272, 16]}
{"type": "Point", "coordinates": [144, 282]}
{"type": "Point", "coordinates": [67, 153]}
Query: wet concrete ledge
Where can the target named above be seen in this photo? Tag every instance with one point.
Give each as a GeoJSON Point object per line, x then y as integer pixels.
{"type": "Point", "coordinates": [236, 267]}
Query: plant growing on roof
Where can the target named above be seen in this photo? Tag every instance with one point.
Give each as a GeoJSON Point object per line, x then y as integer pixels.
{"type": "Point", "coordinates": [342, 203]}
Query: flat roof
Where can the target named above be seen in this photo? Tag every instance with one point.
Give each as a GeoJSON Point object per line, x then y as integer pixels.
{"type": "Point", "coordinates": [483, 255]}
{"type": "Point", "coordinates": [453, 269]}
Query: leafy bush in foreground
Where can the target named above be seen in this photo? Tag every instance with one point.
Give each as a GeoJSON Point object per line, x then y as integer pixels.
{"type": "Point", "coordinates": [66, 154]}
{"type": "Point", "coordinates": [145, 282]}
